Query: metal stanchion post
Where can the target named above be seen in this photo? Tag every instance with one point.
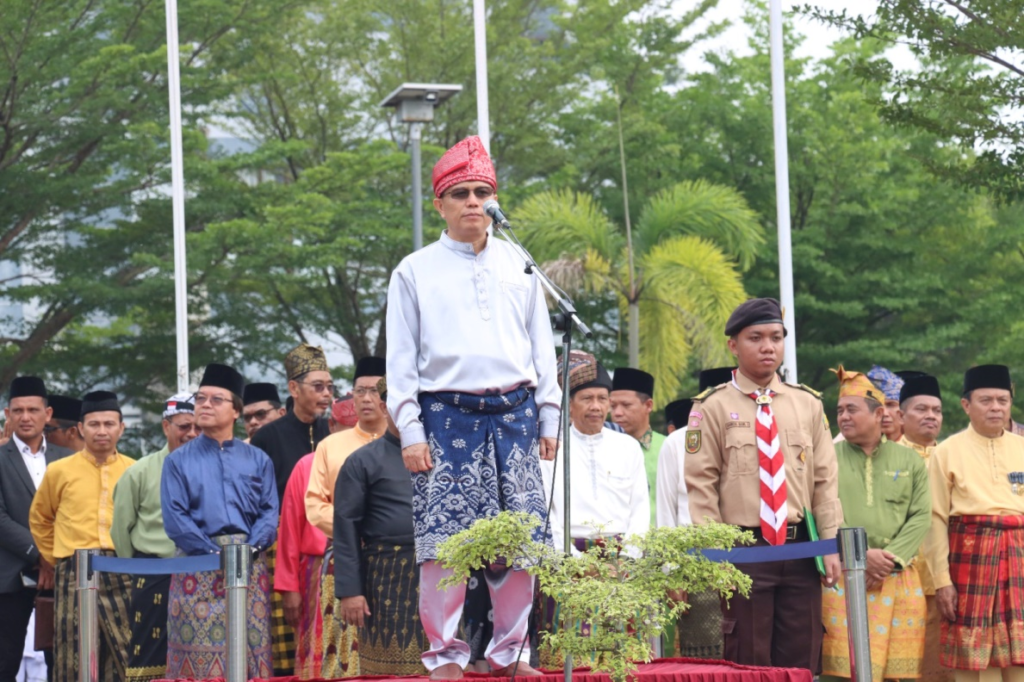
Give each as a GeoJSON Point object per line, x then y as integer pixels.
{"type": "Point", "coordinates": [236, 562]}
{"type": "Point", "coordinates": [853, 551]}
{"type": "Point", "coordinates": [88, 635]}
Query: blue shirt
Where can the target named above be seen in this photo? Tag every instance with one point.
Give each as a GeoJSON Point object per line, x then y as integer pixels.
{"type": "Point", "coordinates": [208, 489]}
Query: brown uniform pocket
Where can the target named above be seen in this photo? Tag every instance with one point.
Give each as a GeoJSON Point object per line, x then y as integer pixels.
{"type": "Point", "coordinates": [741, 451]}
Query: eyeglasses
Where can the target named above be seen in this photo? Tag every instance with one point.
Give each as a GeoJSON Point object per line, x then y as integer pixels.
{"type": "Point", "coordinates": [183, 428]}
{"type": "Point", "coordinates": [50, 429]}
{"type": "Point", "coordinates": [215, 400]}
{"type": "Point", "coordinates": [320, 387]}
{"type": "Point", "coordinates": [462, 193]}
{"type": "Point", "coordinates": [258, 415]}
{"type": "Point", "coordinates": [364, 390]}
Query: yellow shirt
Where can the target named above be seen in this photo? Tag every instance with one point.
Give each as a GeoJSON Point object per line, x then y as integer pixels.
{"type": "Point", "coordinates": [925, 451]}
{"type": "Point", "coordinates": [330, 455]}
{"type": "Point", "coordinates": [969, 475]}
{"type": "Point", "coordinates": [74, 506]}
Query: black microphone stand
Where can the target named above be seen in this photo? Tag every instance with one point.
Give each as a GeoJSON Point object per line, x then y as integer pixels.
{"type": "Point", "coordinates": [565, 320]}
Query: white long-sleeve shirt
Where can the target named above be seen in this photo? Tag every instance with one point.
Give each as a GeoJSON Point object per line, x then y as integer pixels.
{"type": "Point", "coordinates": [467, 322]}
{"type": "Point", "coordinates": [673, 504]}
{"type": "Point", "coordinates": [609, 487]}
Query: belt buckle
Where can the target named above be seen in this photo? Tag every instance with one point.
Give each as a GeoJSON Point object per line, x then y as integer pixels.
{"type": "Point", "coordinates": [791, 531]}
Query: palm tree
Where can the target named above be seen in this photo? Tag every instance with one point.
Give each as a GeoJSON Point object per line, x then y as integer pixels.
{"type": "Point", "coordinates": [689, 247]}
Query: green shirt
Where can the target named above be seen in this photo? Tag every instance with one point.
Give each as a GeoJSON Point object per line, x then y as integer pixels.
{"type": "Point", "coordinates": [138, 519]}
{"type": "Point", "coordinates": [887, 494]}
{"type": "Point", "coordinates": [651, 445]}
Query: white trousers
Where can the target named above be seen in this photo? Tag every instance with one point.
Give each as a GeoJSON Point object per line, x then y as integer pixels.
{"type": "Point", "coordinates": [441, 612]}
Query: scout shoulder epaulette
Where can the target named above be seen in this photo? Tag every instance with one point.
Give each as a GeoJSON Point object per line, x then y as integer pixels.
{"type": "Point", "coordinates": [706, 392]}
{"type": "Point", "coordinates": [807, 388]}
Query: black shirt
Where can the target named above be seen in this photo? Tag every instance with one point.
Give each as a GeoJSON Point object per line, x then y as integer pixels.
{"type": "Point", "coordinates": [286, 441]}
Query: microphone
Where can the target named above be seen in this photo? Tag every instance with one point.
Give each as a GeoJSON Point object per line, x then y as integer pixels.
{"type": "Point", "coordinates": [492, 209]}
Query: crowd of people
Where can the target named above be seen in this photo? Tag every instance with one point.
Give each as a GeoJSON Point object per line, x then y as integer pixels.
{"type": "Point", "coordinates": [344, 501]}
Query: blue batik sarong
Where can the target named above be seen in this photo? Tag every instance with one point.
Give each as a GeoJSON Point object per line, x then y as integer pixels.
{"type": "Point", "coordinates": [486, 460]}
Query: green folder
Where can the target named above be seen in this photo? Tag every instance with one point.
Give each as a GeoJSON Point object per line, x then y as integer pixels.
{"type": "Point", "coordinates": [812, 530]}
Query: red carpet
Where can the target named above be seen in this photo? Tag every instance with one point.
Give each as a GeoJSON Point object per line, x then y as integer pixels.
{"type": "Point", "coordinates": [661, 670]}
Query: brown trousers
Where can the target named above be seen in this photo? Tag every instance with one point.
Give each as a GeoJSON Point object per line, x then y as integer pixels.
{"type": "Point", "coordinates": [780, 623]}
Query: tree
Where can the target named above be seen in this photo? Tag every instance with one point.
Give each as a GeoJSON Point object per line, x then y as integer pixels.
{"type": "Point", "coordinates": [690, 243]}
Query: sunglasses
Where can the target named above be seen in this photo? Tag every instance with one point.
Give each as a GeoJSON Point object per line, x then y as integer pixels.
{"type": "Point", "coordinates": [462, 193]}
{"type": "Point", "coordinates": [258, 415]}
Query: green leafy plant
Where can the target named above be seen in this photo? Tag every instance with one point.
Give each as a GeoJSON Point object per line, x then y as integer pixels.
{"type": "Point", "coordinates": [621, 589]}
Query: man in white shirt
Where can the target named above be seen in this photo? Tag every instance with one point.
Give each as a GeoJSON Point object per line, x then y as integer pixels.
{"type": "Point", "coordinates": [472, 388]}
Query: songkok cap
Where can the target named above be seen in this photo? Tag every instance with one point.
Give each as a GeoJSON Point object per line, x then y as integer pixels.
{"type": "Point", "coordinates": [344, 411]}
{"type": "Point", "coordinates": [27, 387]}
{"type": "Point", "coordinates": [920, 385]}
{"type": "Point", "coordinates": [887, 381]}
{"type": "Point", "coordinates": [677, 411]}
{"type": "Point", "coordinates": [180, 403]}
{"type": "Point", "coordinates": [714, 377]}
{"type": "Point", "coordinates": [987, 376]}
{"type": "Point", "coordinates": [370, 366]}
{"type": "Point", "coordinates": [65, 408]}
{"type": "Point", "coordinates": [304, 358]}
{"type": "Point", "coordinates": [465, 162]}
{"type": "Point", "coordinates": [754, 311]}
{"type": "Point", "coordinates": [857, 385]}
{"type": "Point", "coordinates": [382, 386]}
{"type": "Point", "coordinates": [100, 401]}
{"type": "Point", "coordinates": [629, 379]}
{"type": "Point", "coordinates": [906, 374]}
{"type": "Point", "coordinates": [223, 376]}
{"type": "Point", "coordinates": [584, 372]}
{"type": "Point", "coordinates": [258, 392]}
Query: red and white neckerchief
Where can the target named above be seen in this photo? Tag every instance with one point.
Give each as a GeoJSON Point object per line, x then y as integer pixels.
{"type": "Point", "coordinates": [774, 511]}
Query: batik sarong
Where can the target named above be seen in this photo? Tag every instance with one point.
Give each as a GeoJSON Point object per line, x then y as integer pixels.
{"type": "Point", "coordinates": [486, 460]}
{"type": "Point", "coordinates": [309, 652]}
{"type": "Point", "coordinates": [896, 626]}
{"type": "Point", "coordinates": [112, 614]}
{"type": "Point", "coordinates": [197, 626]}
{"type": "Point", "coordinates": [147, 649]}
{"type": "Point", "coordinates": [986, 564]}
{"type": "Point", "coordinates": [392, 638]}
{"type": "Point", "coordinates": [340, 642]}
{"type": "Point", "coordinates": [282, 636]}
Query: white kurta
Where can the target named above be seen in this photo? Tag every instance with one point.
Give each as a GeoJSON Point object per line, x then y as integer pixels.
{"type": "Point", "coordinates": [609, 487]}
{"type": "Point", "coordinates": [673, 504]}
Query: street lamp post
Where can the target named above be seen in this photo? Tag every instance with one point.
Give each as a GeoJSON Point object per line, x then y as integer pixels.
{"type": "Point", "coordinates": [414, 104]}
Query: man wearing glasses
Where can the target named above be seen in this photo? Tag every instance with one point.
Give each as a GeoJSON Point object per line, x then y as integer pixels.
{"type": "Point", "coordinates": [340, 656]}
{"type": "Point", "coordinates": [261, 404]}
{"type": "Point", "coordinates": [62, 429]}
{"type": "Point", "coordinates": [138, 531]}
{"type": "Point", "coordinates": [472, 388]}
{"type": "Point", "coordinates": [216, 490]}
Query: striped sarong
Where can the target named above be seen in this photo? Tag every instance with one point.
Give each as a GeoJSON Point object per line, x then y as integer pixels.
{"type": "Point", "coordinates": [197, 626]}
{"type": "Point", "coordinates": [112, 613]}
{"type": "Point", "coordinates": [392, 639]}
{"type": "Point", "coordinates": [896, 627]}
{"type": "Point", "coordinates": [147, 650]}
{"type": "Point", "coordinates": [340, 642]}
{"type": "Point", "coordinates": [309, 651]}
{"type": "Point", "coordinates": [986, 564]}
{"type": "Point", "coordinates": [486, 460]}
{"type": "Point", "coordinates": [282, 636]}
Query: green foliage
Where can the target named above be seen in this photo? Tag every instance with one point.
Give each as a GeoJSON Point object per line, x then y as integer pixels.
{"type": "Point", "coordinates": [622, 598]}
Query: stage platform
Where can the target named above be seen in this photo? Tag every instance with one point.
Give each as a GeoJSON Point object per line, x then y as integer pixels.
{"type": "Point", "coordinates": [661, 670]}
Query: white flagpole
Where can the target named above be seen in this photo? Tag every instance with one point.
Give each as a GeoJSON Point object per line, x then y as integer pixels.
{"type": "Point", "coordinates": [483, 113]}
{"type": "Point", "coordinates": [782, 191]}
{"type": "Point", "coordinates": [177, 196]}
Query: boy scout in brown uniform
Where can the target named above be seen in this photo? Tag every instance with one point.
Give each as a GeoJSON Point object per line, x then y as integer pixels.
{"type": "Point", "coordinates": [759, 453]}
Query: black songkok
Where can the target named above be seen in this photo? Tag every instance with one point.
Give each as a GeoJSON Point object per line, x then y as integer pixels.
{"type": "Point", "coordinates": [27, 387]}
{"type": "Point", "coordinates": [677, 412]}
{"type": "Point", "coordinates": [754, 311]}
{"type": "Point", "coordinates": [100, 401]}
{"type": "Point", "coordinates": [257, 393]}
{"type": "Point", "coordinates": [910, 374]}
{"type": "Point", "coordinates": [714, 377]}
{"type": "Point", "coordinates": [223, 376]}
{"type": "Point", "coordinates": [370, 366]}
{"type": "Point", "coordinates": [629, 379]}
{"type": "Point", "coordinates": [987, 376]}
{"type": "Point", "coordinates": [65, 408]}
{"type": "Point", "coordinates": [920, 385]}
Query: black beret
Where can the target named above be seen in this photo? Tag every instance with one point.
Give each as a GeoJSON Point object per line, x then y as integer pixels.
{"type": "Point", "coordinates": [258, 392]}
{"type": "Point", "coordinates": [370, 366]}
{"type": "Point", "coordinates": [100, 401]}
{"type": "Point", "coordinates": [924, 384]}
{"type": "Point", "coordinates": [987, 376]}
{"type": "Point", "coordinates": [27, 387]}
{"type": "Point", "coordinates": [66, 408]}
{"type": "Point", "coordinates": [677, 412]}
{"type": "Point", "coordinates": [629, 379]}
{"type": "Point", "coordinates": [714, 377]}
{"type": "Point", "coordinates": [754, 311]}
{"type": "Point", "coordinates": [223, 376]}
